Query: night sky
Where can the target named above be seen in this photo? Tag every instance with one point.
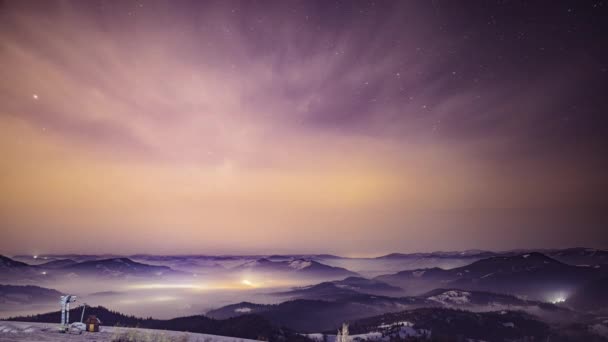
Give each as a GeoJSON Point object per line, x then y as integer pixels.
{"type": "Point", "coordinates": [356, 128]}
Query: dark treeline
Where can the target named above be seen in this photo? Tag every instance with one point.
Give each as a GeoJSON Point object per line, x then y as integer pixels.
{"type": "Point", "coordinates": [246, 326]}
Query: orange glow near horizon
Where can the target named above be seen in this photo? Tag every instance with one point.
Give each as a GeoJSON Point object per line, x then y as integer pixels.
{"type": "Point", "coordinates": [120, 135]}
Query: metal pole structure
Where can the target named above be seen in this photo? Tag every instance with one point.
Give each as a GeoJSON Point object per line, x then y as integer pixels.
{"type": "Point", "coordinates": [65, 311]}
{"type": "Point", "coordinates": [62, 312]}
{"type": "Point", "coordinates": [84, 306]}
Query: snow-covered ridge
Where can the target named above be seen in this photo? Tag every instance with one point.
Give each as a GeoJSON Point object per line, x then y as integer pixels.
{"type": "Point", "coordinates": [45, 332]}
{"type": "Point", "coordinates": [402, 323]}
{"type": "Point", "coordinates": [452, 297]}
{"type": "Point", "coordinates": [418, 274]}
{"type": "Point", "coordinates": [300, 264]}
{"type": "Point", "coordinates": [384, 332]}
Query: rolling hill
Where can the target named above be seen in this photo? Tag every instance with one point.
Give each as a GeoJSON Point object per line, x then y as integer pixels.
{"type": "Point", "coordinates": [534, 275]}
{"type": "Point", "coordinates": [247, 326]}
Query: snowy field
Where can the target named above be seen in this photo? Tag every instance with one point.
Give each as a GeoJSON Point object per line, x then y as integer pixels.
{"type": "Point", "coordinates": [42, 332]}
{"type": "Point", "coordinates": [384, 333]}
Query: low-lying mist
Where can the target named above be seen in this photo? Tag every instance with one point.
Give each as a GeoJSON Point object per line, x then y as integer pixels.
{"type": "Point", "coordinates": [159, 298]}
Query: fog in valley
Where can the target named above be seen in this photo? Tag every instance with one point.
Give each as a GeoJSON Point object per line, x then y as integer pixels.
{"type": "Point", "coordinates": [199, 284]}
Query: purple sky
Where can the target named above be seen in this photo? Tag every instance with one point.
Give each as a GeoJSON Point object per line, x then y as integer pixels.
{"type": "Point", "coordinates": [355, 128]}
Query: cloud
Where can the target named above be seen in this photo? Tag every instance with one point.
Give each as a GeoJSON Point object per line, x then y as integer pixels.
{"type": "Point", "coordinates": [222, 123]}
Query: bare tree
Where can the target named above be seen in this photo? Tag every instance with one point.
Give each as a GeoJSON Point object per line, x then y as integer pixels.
{"type": "Point", "coordinates": [342, 335]}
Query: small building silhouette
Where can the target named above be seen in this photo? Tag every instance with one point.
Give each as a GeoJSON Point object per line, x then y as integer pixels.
{"type": "Point", "coordinates": [92, 323]}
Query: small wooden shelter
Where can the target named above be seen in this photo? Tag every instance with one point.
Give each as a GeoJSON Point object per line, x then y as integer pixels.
{"type": "Point", "coordinates": [92, 323]}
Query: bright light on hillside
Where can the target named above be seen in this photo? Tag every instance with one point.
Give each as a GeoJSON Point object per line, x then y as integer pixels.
{"type": "Point", "coordinates": [247, 282]}
{"type": "Point", "coordinates": [167, 286]}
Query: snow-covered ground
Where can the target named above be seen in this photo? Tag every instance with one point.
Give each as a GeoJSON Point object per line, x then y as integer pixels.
{"type": "Point", "coordinates": [43, 332]}
{"type": "Point", "coordinates": [452, 297]}
{"type": "Point", "coordinates": [384, 333]}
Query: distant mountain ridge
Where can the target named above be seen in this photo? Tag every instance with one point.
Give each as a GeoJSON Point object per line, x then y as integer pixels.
{"type": "Point", "coordinates": [57, 263]}
{"type": "Point", "coordinates": [118, 267]}
{"type": "Point", "coordinates": [592, 296]}
{"type": "Point", "coordinates": [321, 266]}
{"type": "Point", "coordinates": [298, 267]}
{"type": "Point", "coordinates": [474, 253]}
{"type": "Point", "coordinates": [531, 274]}
{"type": "Point", "coordinates": [329, 305]}
{"type": "Point", "coordinates": [456, 325]}
{"type": "Point", "coordinates": [6, 263]}
{"type": "Point", "coordinates": [17, 271]}
{"type": "Point", "coordinates": [342, 288]}
{"type": "Point", "coordinates": [28, 294]}
{"type": "Point", "coordinates": [574, 255]}
{"type": "Point", "coordinates": [113, 267]}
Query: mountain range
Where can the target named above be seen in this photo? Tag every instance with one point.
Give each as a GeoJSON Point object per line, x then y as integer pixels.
{"type": "Point", "coordinates": [18, 295]}
{"type": "Point", "coordinates": [485, 291]}
{"type": "Point", "coordinates": [572, 256]}
{"type": "Point", "coordinates": [454, 325]}
{"type": "Point", "coordinates": [117, 267]}
{"type": "Point", "coordinates": [306, 268]}
{"type": "Point", "coordinates": [534, 275]}
{"type": "Point", "coordinates": [16, 271]}
{"type": "Point", "coordinates": [326, 305]}
{"type": "Point", "coordinates": [592, 296]}
{"type": "Point", "coordinates": [345, 287]}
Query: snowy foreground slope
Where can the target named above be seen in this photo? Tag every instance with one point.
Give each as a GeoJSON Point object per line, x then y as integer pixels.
{"type": "Point", "coordinates": [42, 332]}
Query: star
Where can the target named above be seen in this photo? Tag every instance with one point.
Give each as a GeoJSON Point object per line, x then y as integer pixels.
{"type": "Point", "coordinates": [35, 96]}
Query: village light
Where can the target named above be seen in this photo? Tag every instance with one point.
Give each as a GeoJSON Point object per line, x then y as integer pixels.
{"type": "Point", "coordinates": [247, 282]}
{"type": "Point", "coordinates": [166, 286]}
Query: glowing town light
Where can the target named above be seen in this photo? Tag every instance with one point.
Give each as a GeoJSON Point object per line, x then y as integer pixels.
{"type": "Point", "coordinates": [35, 257]}
{"type": "Point", "coordinates": [558, 300]}
{"type": "Point", "coordinates": [247, 282]}
{"type": "Point", "coordinates": [43, 272]}
{"type": "Point", "coordinates": [162, 299]}
{"type": "Point", "coordinates": [166, 286]}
